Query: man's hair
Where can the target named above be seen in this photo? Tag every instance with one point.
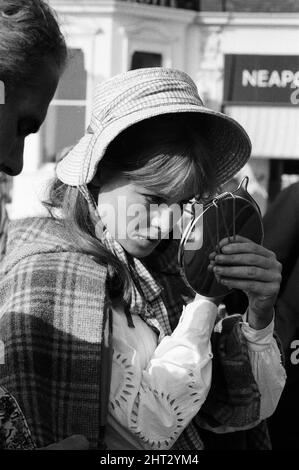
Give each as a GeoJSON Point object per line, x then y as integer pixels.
{"type": "Point", "coordinates": [29, 35]}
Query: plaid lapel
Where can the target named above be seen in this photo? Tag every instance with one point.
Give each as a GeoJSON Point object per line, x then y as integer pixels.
{"type": "Point", "coordinates": [53, 318]}
{"type": "Point", "coordinates": [146, 292]}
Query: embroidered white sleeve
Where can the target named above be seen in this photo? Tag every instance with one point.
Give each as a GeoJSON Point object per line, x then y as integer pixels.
{"type": "Point", "coordinates": [157, 401]}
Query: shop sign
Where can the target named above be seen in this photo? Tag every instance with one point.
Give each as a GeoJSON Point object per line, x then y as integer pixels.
{"type": "Point", "coordinates": [260, 79]}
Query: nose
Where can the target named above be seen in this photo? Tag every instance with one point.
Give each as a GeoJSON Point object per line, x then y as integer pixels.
{"type": "Point", "coordinates": [13, 164]}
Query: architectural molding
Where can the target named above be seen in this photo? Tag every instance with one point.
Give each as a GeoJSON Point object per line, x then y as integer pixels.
{"type": "Point", "coordinates": [92, 7]}
{"type": "Point", "coordinates": [247, 19]}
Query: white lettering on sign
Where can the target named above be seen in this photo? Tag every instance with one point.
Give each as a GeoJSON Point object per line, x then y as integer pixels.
{"type": "Point", "coordinates": [249, 78]}
{"type": "Point", "coordinates": [274, 80]}
{"type": "Point", "coordinates": [264, 78]}
{"type": "Point", "coordinates": [287, 77]}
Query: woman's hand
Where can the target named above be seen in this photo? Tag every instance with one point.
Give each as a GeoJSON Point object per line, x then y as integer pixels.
{"type": "Point", "coordinates": [247, 266]}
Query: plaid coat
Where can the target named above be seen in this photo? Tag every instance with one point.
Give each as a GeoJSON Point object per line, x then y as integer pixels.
{"type": "Point", "coordinates": [55, 324]}
{"type": "Point", "coordinates": [53, 314]}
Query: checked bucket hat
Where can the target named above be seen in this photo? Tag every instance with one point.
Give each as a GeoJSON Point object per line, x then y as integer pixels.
{"type": "Point", "coordinates": [131, 97]}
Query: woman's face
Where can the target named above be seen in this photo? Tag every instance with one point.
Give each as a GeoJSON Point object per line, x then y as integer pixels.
{"type": "Point", "coordinates": [137, 218]}
{"type": "Point", "coordinates": [23, 113]}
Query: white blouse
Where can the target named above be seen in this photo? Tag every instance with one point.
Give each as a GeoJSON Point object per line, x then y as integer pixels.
{"type": "Point", "coordinates": [156, 389]}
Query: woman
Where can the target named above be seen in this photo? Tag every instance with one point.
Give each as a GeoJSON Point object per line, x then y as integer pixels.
{"type": "Point", "coordinates": [103, 336]}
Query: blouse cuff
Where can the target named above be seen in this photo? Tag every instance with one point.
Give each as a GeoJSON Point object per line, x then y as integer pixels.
{"type": "Point", "coordinates": [258, 340]}
{"type": "Point", "coordinates": [199, 316]}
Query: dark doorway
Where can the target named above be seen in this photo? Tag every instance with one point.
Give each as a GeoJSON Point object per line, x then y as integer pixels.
{"type": "Point", "coordinates": [141, 59]}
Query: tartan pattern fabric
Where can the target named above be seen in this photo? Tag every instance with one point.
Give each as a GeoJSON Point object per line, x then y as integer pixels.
{"type": "Point", "coordinates": [146, 298]}
{"type": "Point", "coordinates": [53, 312]}
{"type": "Point", "coordinates": [258, 438]}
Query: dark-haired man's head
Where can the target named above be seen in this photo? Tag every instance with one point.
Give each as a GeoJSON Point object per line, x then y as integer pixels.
{"type": "Point", "coordinates": [32, 57]}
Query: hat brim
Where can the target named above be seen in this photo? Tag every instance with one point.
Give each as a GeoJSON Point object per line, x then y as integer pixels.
{"type": "Point", "coordinates": [229, 144]}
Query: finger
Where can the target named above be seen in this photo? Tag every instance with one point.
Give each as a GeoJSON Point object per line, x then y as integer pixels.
{"type": "Point", "coordinates": [229, 241]}
{"type": "Point", "coordinates": [244, 241]}
{"type": "Point", "coordinates": [265, 289]}
{"type": "Point", "coordinates": [223, 242]}
{"type": "Point", "coordinates": [248, 272]}
{"type": "Point", "coordinates": [236, 239]}
{"type": "Point", "coordinates": [246, 259]}
{"type": "Point", "coordinates": [232, 239]}
{"type": "Point", "coordinates": [247, 247]}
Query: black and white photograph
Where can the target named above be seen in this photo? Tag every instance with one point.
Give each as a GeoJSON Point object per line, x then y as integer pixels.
{"type": "Point", "coordinates": [149, 215]}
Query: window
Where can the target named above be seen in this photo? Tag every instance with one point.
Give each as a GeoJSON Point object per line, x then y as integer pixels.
{"type": "Point", "coordinates": [65, 122]}
{"type": "Point", "coordinates": [142, 59]}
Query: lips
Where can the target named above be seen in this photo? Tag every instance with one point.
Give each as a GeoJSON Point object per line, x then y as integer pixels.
{"type": "Point", "coordinates": [146, 237]}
